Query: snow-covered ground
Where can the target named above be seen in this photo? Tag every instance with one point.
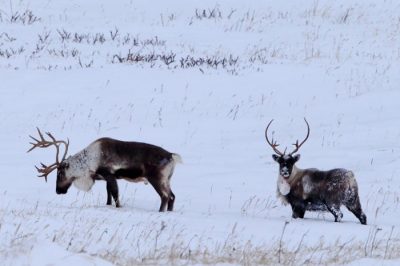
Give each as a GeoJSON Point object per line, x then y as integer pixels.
{"type": "Point", "coordinates": [202, 79]}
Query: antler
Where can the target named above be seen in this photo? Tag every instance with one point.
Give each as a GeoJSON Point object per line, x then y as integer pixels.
{"type": "Point", "coordinates": [273, 143]}
{"type": "Point", "coordinates": [297, 145]}
{"type": "Point", "coordinates": [45, 170]}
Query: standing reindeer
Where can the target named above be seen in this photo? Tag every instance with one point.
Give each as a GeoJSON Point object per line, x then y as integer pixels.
{"type": "Point", "coordinates": [314, 190]}
{"type": "Point", "coordinates": [109, 159]}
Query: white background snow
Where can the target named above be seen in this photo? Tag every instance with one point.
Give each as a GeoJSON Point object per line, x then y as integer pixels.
{"type": "Point", "coordinates": [202, 79]}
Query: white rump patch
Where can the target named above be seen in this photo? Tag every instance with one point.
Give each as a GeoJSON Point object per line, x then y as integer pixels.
{"type": "Point", "coordinates": [167, 170]}
{"type": "Point", "coordinates": [177, 158]}
{"type": "Point", "coordinates": [349, 174]}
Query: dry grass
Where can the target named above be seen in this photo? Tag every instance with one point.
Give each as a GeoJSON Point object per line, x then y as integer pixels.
{"type": "Point", "coordinates": [132, 240]}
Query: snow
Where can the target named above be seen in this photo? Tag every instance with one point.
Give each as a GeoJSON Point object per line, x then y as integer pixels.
{"type": "Point", "coordinates": [368, 261]}
{"type": "Point", "coordinates": [56, 255]}
{"type": "Point", "coordinates": [201, 79]}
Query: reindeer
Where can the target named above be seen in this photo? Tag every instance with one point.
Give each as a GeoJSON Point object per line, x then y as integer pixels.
{"type": "Point", "coordinates": [314, 190]}
{"type": "Point", "coordinates": [109, 159]}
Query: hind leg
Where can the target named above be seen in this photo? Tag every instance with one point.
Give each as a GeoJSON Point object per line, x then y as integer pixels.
{"type": "Point", "coordinates": [160, 180]}
{"type": "Point", "coordinates": [162, 191]}
{"type": "Point", "coordinates": [335, 210]}
{"type": "Point", "coordinates": [171, 200]}
{"type": "Point", "coordinates": [355, 208]}
{"type": "Point", "coordinates": [166, 195]}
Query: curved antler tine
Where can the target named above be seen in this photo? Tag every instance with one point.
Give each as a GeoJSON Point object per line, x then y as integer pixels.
{"type": "Point", "coordinates": [35, 139]}
{"type": "Point", "coordinates": [297, 145]}
{"type": "Point", "coordinates": [51, 136]}
{"type": "Point", "coordinates": [57, 153]}
{"type": "Point", "coordinates": [40, 133]}
{"type": "Point", "coordinates": [272, 143]}
{"type": "Point", "coordinates": [270, 122]}
{"type": "Point", "coordinates": [44, 175]}
{"type": "Point", "coordinates": [308, 127]}
{"type": "Point", "coordinates": [66, 150]}
{"type": "Point", "coordinates": [57, 143]}
{"type": "Point", "coordinates": [266, 130]}
{"type": "Point", "coordinates": [45, 170]}
{"type": "Point", "coordinates": [33, 146]}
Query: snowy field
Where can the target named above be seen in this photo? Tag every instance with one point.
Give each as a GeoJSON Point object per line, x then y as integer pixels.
{"type": "Point", "coordinates": [202, 79]}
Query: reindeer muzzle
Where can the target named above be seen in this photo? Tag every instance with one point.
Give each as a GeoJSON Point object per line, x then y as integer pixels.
{"type": "Point", "coordinates": [61, 190]}
{"type": "Point", "coordinates": [285, 172]}
{"type": "Point", "coordinates": [62, 187]}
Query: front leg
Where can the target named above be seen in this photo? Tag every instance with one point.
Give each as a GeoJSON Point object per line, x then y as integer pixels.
{"type": "Point", "coordinates": [112, 190]}
{"type": "Point", "coordinates": [108, 195]}
{"type": "Point", "coordinates": [112, 186]}
{"type": "Point", "coordinates": [298, 206]}
{"type": "Point", "coordinates": [298, 211]}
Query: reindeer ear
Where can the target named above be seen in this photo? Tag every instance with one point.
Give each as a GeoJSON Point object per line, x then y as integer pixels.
{"type": "Point", "coordinates": [275, 157]}
{"type": "Point", "coordinates": [296, 157]}
{"type": "Point", "coordinates": [65, 164]}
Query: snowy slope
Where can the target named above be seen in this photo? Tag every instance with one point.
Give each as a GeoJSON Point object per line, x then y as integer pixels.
{"type": "Point", "coordinates": [201, 79]}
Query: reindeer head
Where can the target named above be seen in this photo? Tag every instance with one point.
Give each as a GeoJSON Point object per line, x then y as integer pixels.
{"type": "Point", "coordinates": [64, 181]}
{"type": "Point", "coordinates": [62, 166]}
{"type": "Point", "coordinates": [286, 161]}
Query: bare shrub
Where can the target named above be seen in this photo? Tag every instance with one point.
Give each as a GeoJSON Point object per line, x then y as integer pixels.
{"type": "Point", "coordinates": [11, 52]}
{"type": "Point", "coordinates": [152, 58]}
{"type": "Point", "coordinates": [209, 61]}
{"type": "Point", "coordinates": [26, 18]}
{"type": "Point", "coordinates": [209, 13]}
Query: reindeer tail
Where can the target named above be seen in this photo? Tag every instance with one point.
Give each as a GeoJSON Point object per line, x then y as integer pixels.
{"type": "Point", "coordinates": [177, 158]}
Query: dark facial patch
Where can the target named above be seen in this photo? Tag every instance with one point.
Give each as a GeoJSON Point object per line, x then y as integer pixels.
{"type": "Point", "coordinates": [286, 163]}
{"type": "Point", "coordinates": [62, 185]}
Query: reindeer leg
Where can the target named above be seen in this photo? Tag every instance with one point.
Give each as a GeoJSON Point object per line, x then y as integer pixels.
{"type": "Point", "coordinates": [112, 188]}
{"type": "Point", "coordinates": [355, 208]}
{"type": "Point", "coordinates": [163, 191]}
{"type": "Point", "coordinates": [298, 210]}
{"type": "Point", "coordinates": [112, 185]}
{"type": "Point", "coordinates": [171, 198]}
{"type": "Point", "coordinates": [108, 195]}
{"type": "Point", "coordinates": [298, 206]}
{"type": "Point", "coordinates": [335, 210]}
{"type": "Point", "coordinates": [171, 201]}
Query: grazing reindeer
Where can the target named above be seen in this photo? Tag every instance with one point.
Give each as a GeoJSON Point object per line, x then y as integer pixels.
{"type": "Point", "coordinates": [312, 189]}
{"type": "Point", "coordinates": [109, 159]}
